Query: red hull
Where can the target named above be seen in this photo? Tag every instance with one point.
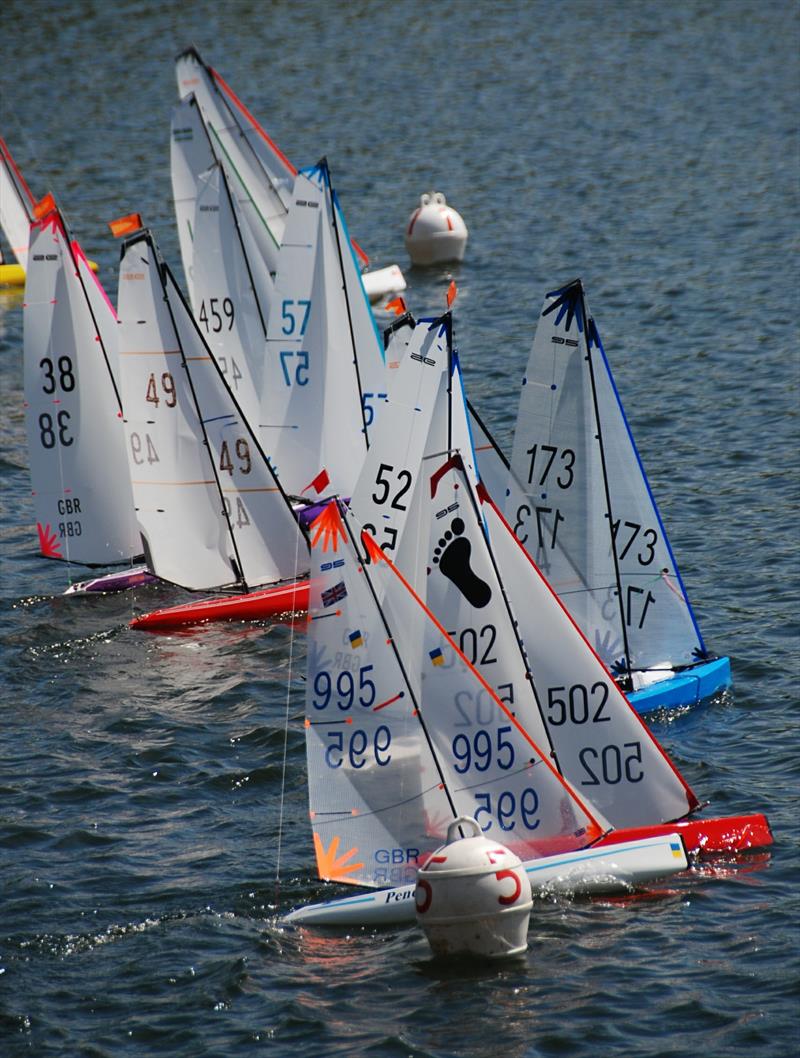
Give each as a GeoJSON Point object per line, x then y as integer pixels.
{"type": "Point", "coordinates": [254, 606]}
{"type": "Point", "coordinates": [727, 834]}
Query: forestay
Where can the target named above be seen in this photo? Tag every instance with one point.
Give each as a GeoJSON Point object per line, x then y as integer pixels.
{"type": "Point", "coordinates": [79, 469]}
{"type": "Point", "coordinates": [209, 507]}
{"type": "Point", "coordinates": [580, 503]}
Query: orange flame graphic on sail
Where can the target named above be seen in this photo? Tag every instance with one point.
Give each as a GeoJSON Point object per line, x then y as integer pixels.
{"type": "Point", "coordinates": [328, 527]}
{"type": "Point", "coordinates": [331, 866]}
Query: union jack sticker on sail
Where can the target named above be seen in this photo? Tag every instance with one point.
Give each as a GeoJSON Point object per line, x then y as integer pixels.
{"type": "Point", "coordinates": [334, 594]}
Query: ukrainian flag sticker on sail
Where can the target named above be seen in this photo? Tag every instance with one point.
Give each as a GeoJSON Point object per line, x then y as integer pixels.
{"type": "Point", "coordinates": [677, 851]}
{"type": "Point", "coordinates": [437, 657]}
{"type": "Point", "coordinates": [356, 639]}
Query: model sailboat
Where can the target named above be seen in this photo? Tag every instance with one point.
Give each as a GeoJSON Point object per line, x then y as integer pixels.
{"type": "Point", "coordinates": [580, 503]}
{"type": "Point", "coordinates": [389, 691]}
{"type": "Point", "coordinates": [79, 468]}
{"type": "Point", "coordinates": [211, 513]}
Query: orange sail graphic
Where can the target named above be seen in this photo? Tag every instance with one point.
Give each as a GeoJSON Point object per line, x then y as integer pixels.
{"type": "Point", "coordinates": [331, 866]}
{"type": "Point", "coordinates": [328, 527]}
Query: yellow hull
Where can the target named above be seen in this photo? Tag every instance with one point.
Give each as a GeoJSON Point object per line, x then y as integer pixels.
{"type": "Point", "coordinates": [13, 275]}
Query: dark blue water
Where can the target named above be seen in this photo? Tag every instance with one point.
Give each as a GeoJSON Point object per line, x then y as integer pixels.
{"type": "Point", "coordinates": [149, 831]}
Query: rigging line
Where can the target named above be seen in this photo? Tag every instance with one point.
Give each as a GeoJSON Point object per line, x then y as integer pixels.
{"type": "Point", "coordinates": [587, 324]}
{"type": "Point", "coordinates": [287, 719]}
{"type": "Point", "coordinates": [246, 189]}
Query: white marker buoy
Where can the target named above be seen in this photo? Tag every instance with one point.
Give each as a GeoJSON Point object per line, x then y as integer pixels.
{"type": "Point", "coordinates": [435, 232]}
{"type": "Point", "coordinates": [473, 896]}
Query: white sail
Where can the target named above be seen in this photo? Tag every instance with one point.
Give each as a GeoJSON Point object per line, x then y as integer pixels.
{"type": "Point", "coordinates": [375, 793]}
{"type": "Point", "coordinates": [386, 767]}
{"type": "Point", "coordinates": [417, 366]}
{"type": "Point", "coordinates": [259, 174]}
{"type": "Point", "coordinates": [600, 744]}
{"type": "Point", "coordinates": [313, 420]}
{"type": "Point", "coordinates": [233, 291]}
{"type": "Point", "coordinates": [575, 474]}
{"type": "Point", "coordinates": [79, 471]}
{"type": "Point", "coordinates": [210, 510]}
{"type": "Point", "coordinates": [190, 156]}
{"type": "Point", "coordinates": [16, 206]}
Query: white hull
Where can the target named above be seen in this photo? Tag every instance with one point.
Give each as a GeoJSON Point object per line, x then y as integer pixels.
{"type": "Point", "coordinates": [612, 868]}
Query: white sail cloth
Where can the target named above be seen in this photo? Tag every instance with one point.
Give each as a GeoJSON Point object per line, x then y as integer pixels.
{"type": "Point", "coordinates": [76, 441]}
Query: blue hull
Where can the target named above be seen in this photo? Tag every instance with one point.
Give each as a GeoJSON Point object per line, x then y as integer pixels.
{"type": "Point", "coordinates": [684, 688]}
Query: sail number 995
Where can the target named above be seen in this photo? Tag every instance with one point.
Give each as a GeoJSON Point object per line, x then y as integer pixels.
{"type": "Point", "coordinates": [342, 692]}
{"type": "Point", "coordinates": [357, 747]}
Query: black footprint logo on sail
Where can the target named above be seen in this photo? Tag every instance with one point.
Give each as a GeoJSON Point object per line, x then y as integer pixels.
{"type": "Point", "coordinates": [452, 557]}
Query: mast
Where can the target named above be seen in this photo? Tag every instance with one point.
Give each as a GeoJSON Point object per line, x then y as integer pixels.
{"type": "Point", "coordinates": [588, 341]}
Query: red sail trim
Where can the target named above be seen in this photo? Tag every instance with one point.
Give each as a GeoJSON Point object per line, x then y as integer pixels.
{"type": "Point", "coordinates": [229, 92]}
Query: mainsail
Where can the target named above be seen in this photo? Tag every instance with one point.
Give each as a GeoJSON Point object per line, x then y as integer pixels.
{"type": "Point", "coordinates": [233, 290]}
{"type": "Point", "coordinates": [324, 362]}
{"type": "Point", "coordinates": [211, 513]}
{"type": "Point", "coordinates": [580, 503]}
{"type": "Point", "coordinates": [76, 441]}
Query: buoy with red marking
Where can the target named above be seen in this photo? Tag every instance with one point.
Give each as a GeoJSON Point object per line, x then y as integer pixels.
{"type": "Point", "coordinates": [435, 232]}
{"type": "Point", "coordinates": [473, 896]}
